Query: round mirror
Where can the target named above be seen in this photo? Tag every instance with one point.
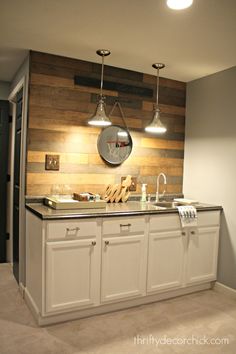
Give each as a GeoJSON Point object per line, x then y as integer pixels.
{"type": "Point", "coordinates": [114, 144]}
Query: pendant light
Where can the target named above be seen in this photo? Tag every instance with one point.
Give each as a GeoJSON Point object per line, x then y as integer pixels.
{"type": "Point", "coordinates": [179, 4]}
{"type": "Point", "coordinates": [100, 118]}
{"type": "Point", "coordinates": [156, 125]}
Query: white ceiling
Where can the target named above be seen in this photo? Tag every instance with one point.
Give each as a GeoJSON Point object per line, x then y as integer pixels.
{"type": "Point", "coordinates": [193, 43]}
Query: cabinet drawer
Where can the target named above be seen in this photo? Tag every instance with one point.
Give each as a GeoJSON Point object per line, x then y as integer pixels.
{"type": "Point", "coordinates": [60, 229]}
{"type": "Point", "coordinates": [164, 222]}
{"type": "Point", "coordinates": [172, 221]}
{"type": "Point", "coordinates": [119, 226]}
{"type": "Point", "coordinates": [209, 218]}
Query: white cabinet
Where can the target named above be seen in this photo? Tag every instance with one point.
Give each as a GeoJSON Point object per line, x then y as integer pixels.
{"type": "Point", "coordinates": [202, 252]}
{"type": "Point", "coordinates": [182, 257]}
{"type": "Point", "coordinates": [83, 266]}
{"type": "Point", "coordinates": [124, 259]}
{"type": "Point", "coordinates": [71, 274]}
{"type": "Point", "coordinates": [165, 260]}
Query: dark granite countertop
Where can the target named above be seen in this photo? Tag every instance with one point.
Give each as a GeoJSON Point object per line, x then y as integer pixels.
{"type": "Point", "coordinates": [130, 208]}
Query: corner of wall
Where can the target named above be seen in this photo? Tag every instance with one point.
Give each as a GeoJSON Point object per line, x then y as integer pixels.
{"type": "Point", "coordinates": [4, 90]}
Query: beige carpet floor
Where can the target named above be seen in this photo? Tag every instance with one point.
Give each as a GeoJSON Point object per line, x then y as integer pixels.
{"type": "Point", "coordinates": [207, 314]}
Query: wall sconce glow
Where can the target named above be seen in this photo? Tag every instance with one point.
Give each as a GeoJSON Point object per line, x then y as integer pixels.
{"type": "Point", "coordinates": [179, 4]}
{"type": "Point", "coordinates": [100, 118]}
{"type": "Point", "coordinates": [156, 125]}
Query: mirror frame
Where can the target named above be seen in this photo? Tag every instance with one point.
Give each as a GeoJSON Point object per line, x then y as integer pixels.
{"type": "Point", "coordinates": [106, 158]}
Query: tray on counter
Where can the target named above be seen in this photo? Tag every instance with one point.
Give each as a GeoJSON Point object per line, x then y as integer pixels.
{"type": "Point", "coordinates": [67, 204]}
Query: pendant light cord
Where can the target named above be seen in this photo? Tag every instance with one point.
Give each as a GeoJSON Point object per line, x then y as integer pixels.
{"type": "Point", "coordinates": [157, 88]}
{"type": "Point", "coordinates": [102, 75]}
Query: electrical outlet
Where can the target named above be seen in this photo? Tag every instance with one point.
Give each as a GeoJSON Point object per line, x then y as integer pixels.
{"type": "Point", "coordinates": [52, 162]}
{"type": "Point", "coordinates": [133, 186]}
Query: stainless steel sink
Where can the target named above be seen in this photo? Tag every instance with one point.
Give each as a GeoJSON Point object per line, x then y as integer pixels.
{"type": "Point", "coordinates": [165, 204]}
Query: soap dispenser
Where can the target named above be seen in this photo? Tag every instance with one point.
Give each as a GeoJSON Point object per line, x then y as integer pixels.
{"type": "Point", "coordinates": [144, 192]}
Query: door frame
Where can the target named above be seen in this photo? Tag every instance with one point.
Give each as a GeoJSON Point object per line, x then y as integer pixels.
{"type": "Point", "coordinates": [22, 83]}
{"type": "Point", "coordinates": [4, 145]}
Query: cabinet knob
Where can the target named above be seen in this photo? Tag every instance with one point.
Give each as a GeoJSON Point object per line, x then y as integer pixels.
{"type": "Point", "coordinates": [93, 243]}
{"type": "Point", "coordinates": [183, 233]}
{"type": "Point", "coordinates": [192, 232]}
{"type": "Point", "coordinates": [107, 243]}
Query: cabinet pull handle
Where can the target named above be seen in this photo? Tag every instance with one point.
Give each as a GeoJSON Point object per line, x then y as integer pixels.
{"type": "Point", "coordinates": [93, 243]}
{"type": "Point", "coordinates": [74, 229]}
{"type": "Point", "coordinates": [183, 233]}
{"type": "Point", "coordinates": [125, 225]}
{"type": "Point", "coordinates": [192, 232]}
{"type": "Point", "coordinates": [107, 243]}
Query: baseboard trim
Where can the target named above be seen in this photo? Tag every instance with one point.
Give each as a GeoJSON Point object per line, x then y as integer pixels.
{"type": "Point", "coordinates": [224, 289]}
{"type": "Point", "coordinates": [22, 289]}
{"type": "Point", "coordinates": [48, 319]}
{"type": "Point", "coordinates": [31, 305]}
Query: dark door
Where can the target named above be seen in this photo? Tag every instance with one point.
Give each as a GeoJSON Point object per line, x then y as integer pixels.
{"type": "Point", "coordinates": [16, 184]}
{"type": "Point", "coordinates": [4, 133]}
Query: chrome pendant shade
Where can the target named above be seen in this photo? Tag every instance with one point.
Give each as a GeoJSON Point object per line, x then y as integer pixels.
{"type": "Point", "coordinates": [100, 117]}
{"type": "Point", "coordinates": [156, 125]}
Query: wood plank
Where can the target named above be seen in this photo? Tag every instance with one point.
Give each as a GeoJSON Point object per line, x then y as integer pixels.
{"type": "Point", "coordinates": [179, 128]}
{"type": "Point", "coordinates": [69, 178]}
{"type": "Point", "coordinates": [119, 73]}
{"type": "Point", "coordinates": [148, 106]}
{"type": "Point", "coordinates": [155, 170]}
{"type": "Point", "coordinates": [169, 188]}
{"type": "Point", "coordinates": [46, 189]}
{"type": "Point", "coordinates": [152, 161]}
{"type": "Point", "coordinates": [47, 140]}
{"type": "Point", "coordinates": [113, 86]}
{"type": "Point", "coordinates": [175, 171]}
{"type": "Point", "coordinates": [57, 97]}
{"type": "Point", "coordinates": [46, 69]}
{"type": "Point", "coordinates": [68, 158]}
{"type": "Point", "coordinates": [152, 180]}
{"type": "Point", "coordinates": [44, 112]}
{"type": "Point", "coordinates": [77, 167]}
{"type": "Point", "coordinates": [152, 152]}
{"type": "Point", "coordinates": [60, 61]}
{"type": "Point", "coordinates": [126, 102]}
{"type": "Point", "coordinates": [141, 161]}
{"type": "Point", "coordinates": [162, 144]}
{"type": "Point", "coordinates": [151, 79]}
{"type": "Point", "coordinates": [55, 81]}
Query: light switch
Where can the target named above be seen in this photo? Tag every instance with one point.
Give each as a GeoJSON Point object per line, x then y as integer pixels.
{"type": "Point", "coordinates": [52, 162]}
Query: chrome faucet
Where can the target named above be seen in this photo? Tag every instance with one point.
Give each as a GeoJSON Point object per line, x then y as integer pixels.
{"type": "Point", "coordinates": [158, 184]}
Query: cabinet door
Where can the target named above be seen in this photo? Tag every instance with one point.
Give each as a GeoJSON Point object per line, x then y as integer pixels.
{"type": "Point", "coordinates": [71, 274]}
{"type": "Point", "coordinates": [165, 260]}
{"type": "Point", "coordinates": [202, 253]}
{"type": "Point", "coordinates": [123, 267]}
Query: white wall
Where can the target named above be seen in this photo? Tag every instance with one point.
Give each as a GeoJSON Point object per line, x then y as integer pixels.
{"type": "Point", "coordinates": [210, 157]}
{"type": "Point", "coordinates": [4, 90]}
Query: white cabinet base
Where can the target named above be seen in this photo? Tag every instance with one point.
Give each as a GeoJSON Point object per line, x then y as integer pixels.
{"type": "Point", "coordinates": [88, 267]}
{"type": "Point", "coordinates": [49, 319]}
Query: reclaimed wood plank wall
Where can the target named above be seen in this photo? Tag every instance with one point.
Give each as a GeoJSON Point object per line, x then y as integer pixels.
{"type": "Point", "coordinates": [58, 114]}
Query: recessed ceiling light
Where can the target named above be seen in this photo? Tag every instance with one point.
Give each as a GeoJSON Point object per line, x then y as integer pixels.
{"type": "Point", "coordinates": [179, 4]}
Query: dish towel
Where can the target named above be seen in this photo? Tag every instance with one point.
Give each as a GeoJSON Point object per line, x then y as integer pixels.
{"type": "Point", "coordinates": [188, 215]}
